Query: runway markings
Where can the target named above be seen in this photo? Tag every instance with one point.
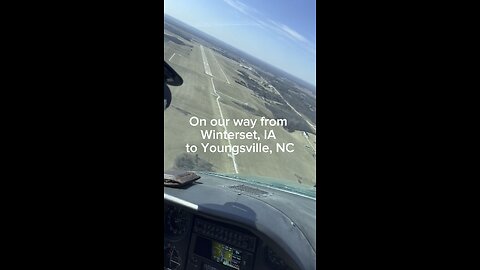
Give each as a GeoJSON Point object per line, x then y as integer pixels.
{"type": "Point", "coordinates": [311, 145]}
{"type": "Point", "coordinates": [211, 52]}
{"type": "Point", "coordinates": [223, 120]}
{"type": "Point", "coordinates": [170, 59]}
{"type": "Point", "coordinates": [205, 62]}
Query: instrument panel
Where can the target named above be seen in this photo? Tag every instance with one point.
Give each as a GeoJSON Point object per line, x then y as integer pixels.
{"type": "Point", "coordinates": [196, 242]}
{"type": "Point", "coordinates": [176, 222]}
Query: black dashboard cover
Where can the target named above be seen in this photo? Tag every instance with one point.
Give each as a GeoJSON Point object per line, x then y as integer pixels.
{"type": "Point", "coordinates": [171, 76]}
{"type": "Point", "coordinates": [179, 178]}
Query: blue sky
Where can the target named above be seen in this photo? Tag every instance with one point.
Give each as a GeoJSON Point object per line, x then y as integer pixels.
{"type": "Point", "coordinates": [279, 32]}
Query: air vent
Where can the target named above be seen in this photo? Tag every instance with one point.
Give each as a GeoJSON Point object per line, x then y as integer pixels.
{"type": "Point", "coordinates": [250, 190]}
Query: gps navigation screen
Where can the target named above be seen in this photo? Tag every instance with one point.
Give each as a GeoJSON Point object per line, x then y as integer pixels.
{"type": "Point", "coordinates": [226, 255]}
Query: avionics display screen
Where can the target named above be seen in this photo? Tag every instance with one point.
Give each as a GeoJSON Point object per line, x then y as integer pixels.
{"type": "Point", "coordinates": [226, 255]}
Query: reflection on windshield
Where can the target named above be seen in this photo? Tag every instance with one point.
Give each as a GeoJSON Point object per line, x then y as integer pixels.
{"type": "Point", "coordinates": [284, 185]}
{"type": "Point", "coordinates": [236, 115]}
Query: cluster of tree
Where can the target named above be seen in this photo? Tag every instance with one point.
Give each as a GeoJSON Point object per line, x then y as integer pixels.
{"type": "Point", "coordinates": [241, 83]}
{"type": "Point", "coordinates": [303, 104]}
{"type": "Point", "coordinates": [270, 96]}
{"type": "Point", "coordinates": [187, 161]}
{"type": "Point", "coordinates": [299, 100]}
{"type": "Point", "coordinates": [258, 89]}
{"type": "Point", "coordinates": [294, 121]}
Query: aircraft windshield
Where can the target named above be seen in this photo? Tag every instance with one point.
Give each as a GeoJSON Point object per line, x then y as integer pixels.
{"type": "Point", "coordinates": [247, 104]}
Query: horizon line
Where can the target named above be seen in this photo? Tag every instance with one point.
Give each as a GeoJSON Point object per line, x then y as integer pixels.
{"type": "Point", "coordinates": [256, 57]}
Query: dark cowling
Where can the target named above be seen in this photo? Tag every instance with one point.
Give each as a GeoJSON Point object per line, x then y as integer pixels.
{"type": "Point", "coordinates": [171, 77]}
